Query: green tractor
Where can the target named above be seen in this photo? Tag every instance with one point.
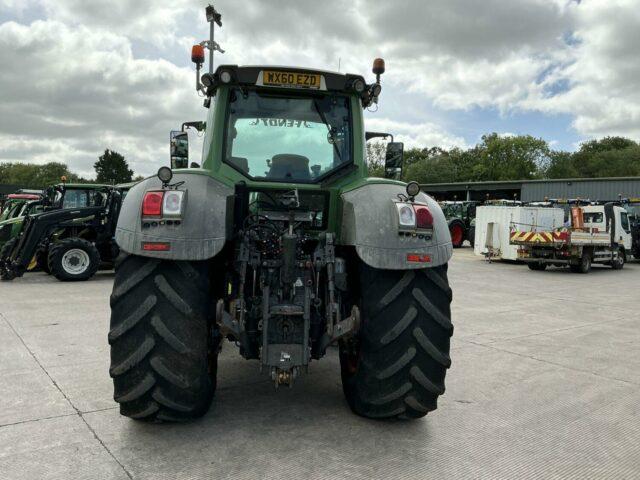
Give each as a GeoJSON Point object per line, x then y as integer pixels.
{"type": "Point", "coordinates": [461, 217]}
{"type": "Point", "coordinates": [15, 208]}
{"type": "Point", "coordinates": [283, 245]}
{"type": "Point", "coordinates": [70, 234]}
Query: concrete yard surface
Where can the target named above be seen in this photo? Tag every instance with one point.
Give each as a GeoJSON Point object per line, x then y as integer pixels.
{"type": "Point", "coordinates": [545, 383]}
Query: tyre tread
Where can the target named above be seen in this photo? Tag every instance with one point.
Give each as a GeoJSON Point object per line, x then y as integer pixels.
{"type": "Point", "coordinates": [159, 347]}
{"type": "Point", "coordinates": [57, 249]}
{"type": "Point", "coordinates": [405, 341]}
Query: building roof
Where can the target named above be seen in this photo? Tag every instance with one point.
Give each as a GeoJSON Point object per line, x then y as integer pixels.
{"type": "Point", "coordinates": [604, 188]}
{"type": "Point", "coordinates": [516, 183]}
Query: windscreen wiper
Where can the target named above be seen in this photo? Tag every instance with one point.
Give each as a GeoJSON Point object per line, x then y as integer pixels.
{"type": "Point", "coordinates": [329, 129]}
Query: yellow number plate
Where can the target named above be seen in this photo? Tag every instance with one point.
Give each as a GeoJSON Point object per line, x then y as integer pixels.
{"type": "Point", "coordinates": [273, 78]}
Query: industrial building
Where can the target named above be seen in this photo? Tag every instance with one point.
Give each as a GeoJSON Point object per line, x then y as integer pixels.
{"type": "Point", "coordinates": [602, 189]}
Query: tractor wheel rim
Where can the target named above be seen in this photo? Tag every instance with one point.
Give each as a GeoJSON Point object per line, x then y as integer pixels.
{"type": "Point", "coordinates": [75, 261]}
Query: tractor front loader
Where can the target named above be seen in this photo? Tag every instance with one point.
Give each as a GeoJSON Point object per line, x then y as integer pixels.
{"type": "Point", "coordinates": [69, 240]}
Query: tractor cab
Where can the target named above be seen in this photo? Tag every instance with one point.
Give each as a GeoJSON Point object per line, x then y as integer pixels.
{"type": "Point", "coordinates": [16, 204]}
{"type": "Point", "coordinates": [76, 195]}
{"type": "Point", "coordinates": [283, 124]}
{"type": "Point", "coordinates": [274, 132]}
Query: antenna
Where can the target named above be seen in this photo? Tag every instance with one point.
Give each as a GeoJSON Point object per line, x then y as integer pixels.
{"type": "Point", "coordinates": [339, 62]}
{"type": "Point", "coordinates": [197, 52]}
{"type": "Point", "coordinates": [212, 17]}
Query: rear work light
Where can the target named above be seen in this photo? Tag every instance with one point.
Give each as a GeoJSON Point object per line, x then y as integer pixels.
{"type": "Point", "coordinates": [413, 216]}
{"type": "Point", "coordinates": [406, 215]}
{"type": "Point", "coordinates": [172, 203]}
{"type": "Point", "coordinates": [152, 204]}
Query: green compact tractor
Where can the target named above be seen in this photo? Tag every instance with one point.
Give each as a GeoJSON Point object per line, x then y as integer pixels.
{"type": "Point", "coordinates": [461, 219]}
{"type": "Point", "coordinates": [70, 236]}
{"type": "Point", "coordinates": [281, 244]}
{"type": "Point", "coordinates": [15, 208]}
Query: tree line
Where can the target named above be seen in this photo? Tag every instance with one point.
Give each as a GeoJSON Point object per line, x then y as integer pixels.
{"type": "Point", "coordinates": [495, 158]}
{"type": "Point", "coordinates": [520, 157]}
{"type": "Point", "coordinates": [111, 168]}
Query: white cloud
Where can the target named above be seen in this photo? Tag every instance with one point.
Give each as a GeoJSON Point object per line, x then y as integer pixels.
{"type": "Point", "coordinates": [72, 85]}
{"type": "Point", "coordinates": [84, 87]}
{"type": "Point", "coordinates": [603, 79]}
{"type": "Point", "coordinates": [415, 135]}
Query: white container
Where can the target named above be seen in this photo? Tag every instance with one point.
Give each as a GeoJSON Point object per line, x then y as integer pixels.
{"type": "Point", "coordinates": [494, 223]}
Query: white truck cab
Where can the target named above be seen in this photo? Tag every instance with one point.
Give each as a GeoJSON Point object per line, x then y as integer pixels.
{"type": "Point", "coordinates": [595, 217]}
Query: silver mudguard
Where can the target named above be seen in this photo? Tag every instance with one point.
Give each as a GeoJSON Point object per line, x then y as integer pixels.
{"type": "Point", "coordinates": [370, 223]}
{"type": "Point", "coordinates": [203, 228]}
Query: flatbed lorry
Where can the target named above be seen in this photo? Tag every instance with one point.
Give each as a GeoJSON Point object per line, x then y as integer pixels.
{"type": "Point", "coordinates": [599, 234]}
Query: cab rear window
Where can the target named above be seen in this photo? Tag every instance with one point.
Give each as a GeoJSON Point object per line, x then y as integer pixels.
{"type": "Point", "coordinates": [83, 198]}
{"type": "Point", "coordinates": [593, 217]}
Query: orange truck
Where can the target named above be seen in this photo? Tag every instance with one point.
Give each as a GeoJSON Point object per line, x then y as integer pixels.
{"type": "Point", "coordinates": [598, 234]}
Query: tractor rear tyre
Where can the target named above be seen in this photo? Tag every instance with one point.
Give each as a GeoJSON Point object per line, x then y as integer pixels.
{"type": "Point", "coordinates": [538, 267]}
{"type": "Point", "coordinates": [397, 366]}
{"type": "Point", "coordinates": [73, 259]}
{"type": "Point", "coordinates": [163, 352]}
{"type": "Point", "coordinates": [456, 229]}
{"type": "Point", "coordinates": [471, 236]}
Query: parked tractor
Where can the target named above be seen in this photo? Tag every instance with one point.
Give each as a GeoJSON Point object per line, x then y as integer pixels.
{"type": "Point", "coordinates": [71, 237]}
{"type": "Point", "coordinates": [460, 217]}
{"type": "Point", "coordinates": [19, 197]}
{"type": "Point", "coordinates": [281, 244]}
{"type": "Point", "coordinates": [16, 206]}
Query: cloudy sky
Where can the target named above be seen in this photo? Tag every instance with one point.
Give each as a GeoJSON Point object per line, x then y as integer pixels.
{"type": "Point", "coordinates": [79, 76]}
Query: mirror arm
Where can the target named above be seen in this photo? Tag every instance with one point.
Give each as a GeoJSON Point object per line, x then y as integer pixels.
{"type": "Point", "coordinates": [369, 135]}
{"type": "Point", "coordinates": [198, 125]}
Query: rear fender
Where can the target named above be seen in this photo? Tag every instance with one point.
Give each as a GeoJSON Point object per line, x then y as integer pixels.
{"type": "Point", "coordinates": [370, 223]}
{"type": "Point", "coordinates": [203, 227]}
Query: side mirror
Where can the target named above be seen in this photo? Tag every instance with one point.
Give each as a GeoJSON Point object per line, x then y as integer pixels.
{"type": "Point", "coordinates": [393, 160]}
{"type": "Point", "coordinates": [179, 149]}
{"type": "Point", "coordinates": [48, 198]}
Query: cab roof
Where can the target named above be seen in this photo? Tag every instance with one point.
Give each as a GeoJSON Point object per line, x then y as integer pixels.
{"type": "Point", "coordinates": [87, 186]}
{"type": "Point", "coordinates": [252, 75]}
{"type": "Point", "coordinates": [23, 196]}
{"type": "Point", "coordinates": [126, 186]}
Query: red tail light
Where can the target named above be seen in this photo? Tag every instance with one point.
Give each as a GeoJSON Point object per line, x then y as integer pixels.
{"type": "Point", "coordinates": [152, 204]}
{"type": "Point", "coordinates": [424, 219]}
